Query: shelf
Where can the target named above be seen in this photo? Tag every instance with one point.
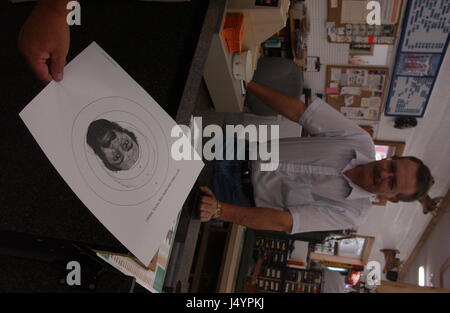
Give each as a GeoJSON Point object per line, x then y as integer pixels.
{"type": "Point", "coordinates": [277, 277]}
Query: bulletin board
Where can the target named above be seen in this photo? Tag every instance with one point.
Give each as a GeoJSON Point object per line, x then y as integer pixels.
{"type": "Point", "coordinates": [356, 91]}
{"type": "Point", "coordinates": [347, 22]}
{"type": "Point", "coordinates": [423, 43]}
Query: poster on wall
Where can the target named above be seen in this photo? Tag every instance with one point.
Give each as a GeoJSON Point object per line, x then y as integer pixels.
{"type": "Point", "coordinates": [423, 43]}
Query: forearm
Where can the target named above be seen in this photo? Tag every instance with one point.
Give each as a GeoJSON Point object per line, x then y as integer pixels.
{"type": "Point", "coordinates": [281, 103]}
{"type": "Point", "coordinates": [257, 218]}
{"type": "Point", "coordinates": [56, 6]}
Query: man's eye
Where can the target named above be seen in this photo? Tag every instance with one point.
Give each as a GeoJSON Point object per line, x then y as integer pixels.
{"type": "Point", "coordinates": [116, 157]}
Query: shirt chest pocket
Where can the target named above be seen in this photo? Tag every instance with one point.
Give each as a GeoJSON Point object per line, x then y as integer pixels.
{"type": "Point", "coordinates": [296, 193]}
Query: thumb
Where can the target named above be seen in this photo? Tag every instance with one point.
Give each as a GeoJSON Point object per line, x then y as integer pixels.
{"type": "Point", "coordinates": [40, 68]}
{"type": "Point", "coordinates": [57, 63]}
{"type": "Point", "coordinates": [207, 191]}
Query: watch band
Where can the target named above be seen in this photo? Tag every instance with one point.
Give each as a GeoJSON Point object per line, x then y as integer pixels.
{"type": "Point", "coordinates": [218, 211]}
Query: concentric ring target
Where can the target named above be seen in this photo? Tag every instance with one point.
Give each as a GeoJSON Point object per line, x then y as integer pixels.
{"type": "Point", "coordinates": [146, 176]}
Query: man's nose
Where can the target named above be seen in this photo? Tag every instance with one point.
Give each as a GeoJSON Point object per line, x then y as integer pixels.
{"type": "Point", "coordinates": [116, 145]}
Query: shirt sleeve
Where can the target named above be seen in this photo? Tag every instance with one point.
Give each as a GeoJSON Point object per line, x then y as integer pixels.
{"type": "Point", "coordinates": [321, 119]}
{"type": "Point", "coordinates": [312, 218]}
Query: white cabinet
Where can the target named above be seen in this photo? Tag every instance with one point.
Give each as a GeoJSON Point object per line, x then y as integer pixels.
{"type": "Point", "coordinates": [260, 23]}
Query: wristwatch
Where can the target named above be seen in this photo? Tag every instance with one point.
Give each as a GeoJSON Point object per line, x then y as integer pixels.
{"type": "Point", "coordinates": [218, 211]}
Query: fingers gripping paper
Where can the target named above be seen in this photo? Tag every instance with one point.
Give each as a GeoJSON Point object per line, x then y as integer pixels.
{"type": "Point", "coordinates": [111, 142]}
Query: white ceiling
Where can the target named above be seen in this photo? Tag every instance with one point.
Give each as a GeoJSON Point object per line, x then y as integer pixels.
{"type": "Point", "coordinates": [399, 226]}
{"type": "Point", "coordinates": [432, 256]}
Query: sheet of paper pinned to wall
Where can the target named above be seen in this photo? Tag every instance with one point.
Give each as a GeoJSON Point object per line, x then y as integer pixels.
{"type": "Point", "coordinates": [354, 12]}
{"type": "Point", "coordinates": [111, 142]}
{"type": "Point", "coordinates": [375, 82]}
{"type": "Point", "coordinates": [348, 100]}
{"type": "Point", "coordinates": [335, 74]}
{"type": "Point", "coordinates": [357, 77]}
{"type": "Point", "coordinates": [372, 102]}
{"type": "Point", "coordinates": [360, 113]}
{"type": "Point", "coordinates": [355, 91]}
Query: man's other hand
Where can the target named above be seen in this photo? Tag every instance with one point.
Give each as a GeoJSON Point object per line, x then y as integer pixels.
{"type": "Point", "coordinates": [45, 38]}
{"type": "Point", "coordinates": [208, 204]}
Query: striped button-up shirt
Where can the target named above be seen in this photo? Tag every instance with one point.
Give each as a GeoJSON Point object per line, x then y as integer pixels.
{"type": "Point", "coordinates": [309, 180]}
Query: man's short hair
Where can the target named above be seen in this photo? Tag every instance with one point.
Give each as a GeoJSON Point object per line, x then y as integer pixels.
{"type": "Point", "coordinates": [96, 131]}
{"type": "Point", "coordinates": [423, 177]}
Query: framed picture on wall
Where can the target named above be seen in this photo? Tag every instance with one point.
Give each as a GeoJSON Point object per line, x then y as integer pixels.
{"type": "Point", "coordinates": [386, 149]}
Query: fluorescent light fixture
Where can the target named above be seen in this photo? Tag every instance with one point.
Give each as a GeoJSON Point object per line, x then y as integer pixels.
{"type": "Point", "coordinates": [337, 269]}
{"type": "Point", "coordinates": [421, 276]}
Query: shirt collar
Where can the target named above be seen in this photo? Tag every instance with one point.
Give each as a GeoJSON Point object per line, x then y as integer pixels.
{"type": "Point", "coordinates": [356, 191]}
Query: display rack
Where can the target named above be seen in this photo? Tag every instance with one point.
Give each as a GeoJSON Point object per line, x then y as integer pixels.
{"type": "Point", "coordinates": [272, 272]}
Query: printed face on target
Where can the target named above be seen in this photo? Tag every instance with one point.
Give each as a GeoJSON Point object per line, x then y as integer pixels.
{"type": "Point", "coordinates": [117, 147]}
